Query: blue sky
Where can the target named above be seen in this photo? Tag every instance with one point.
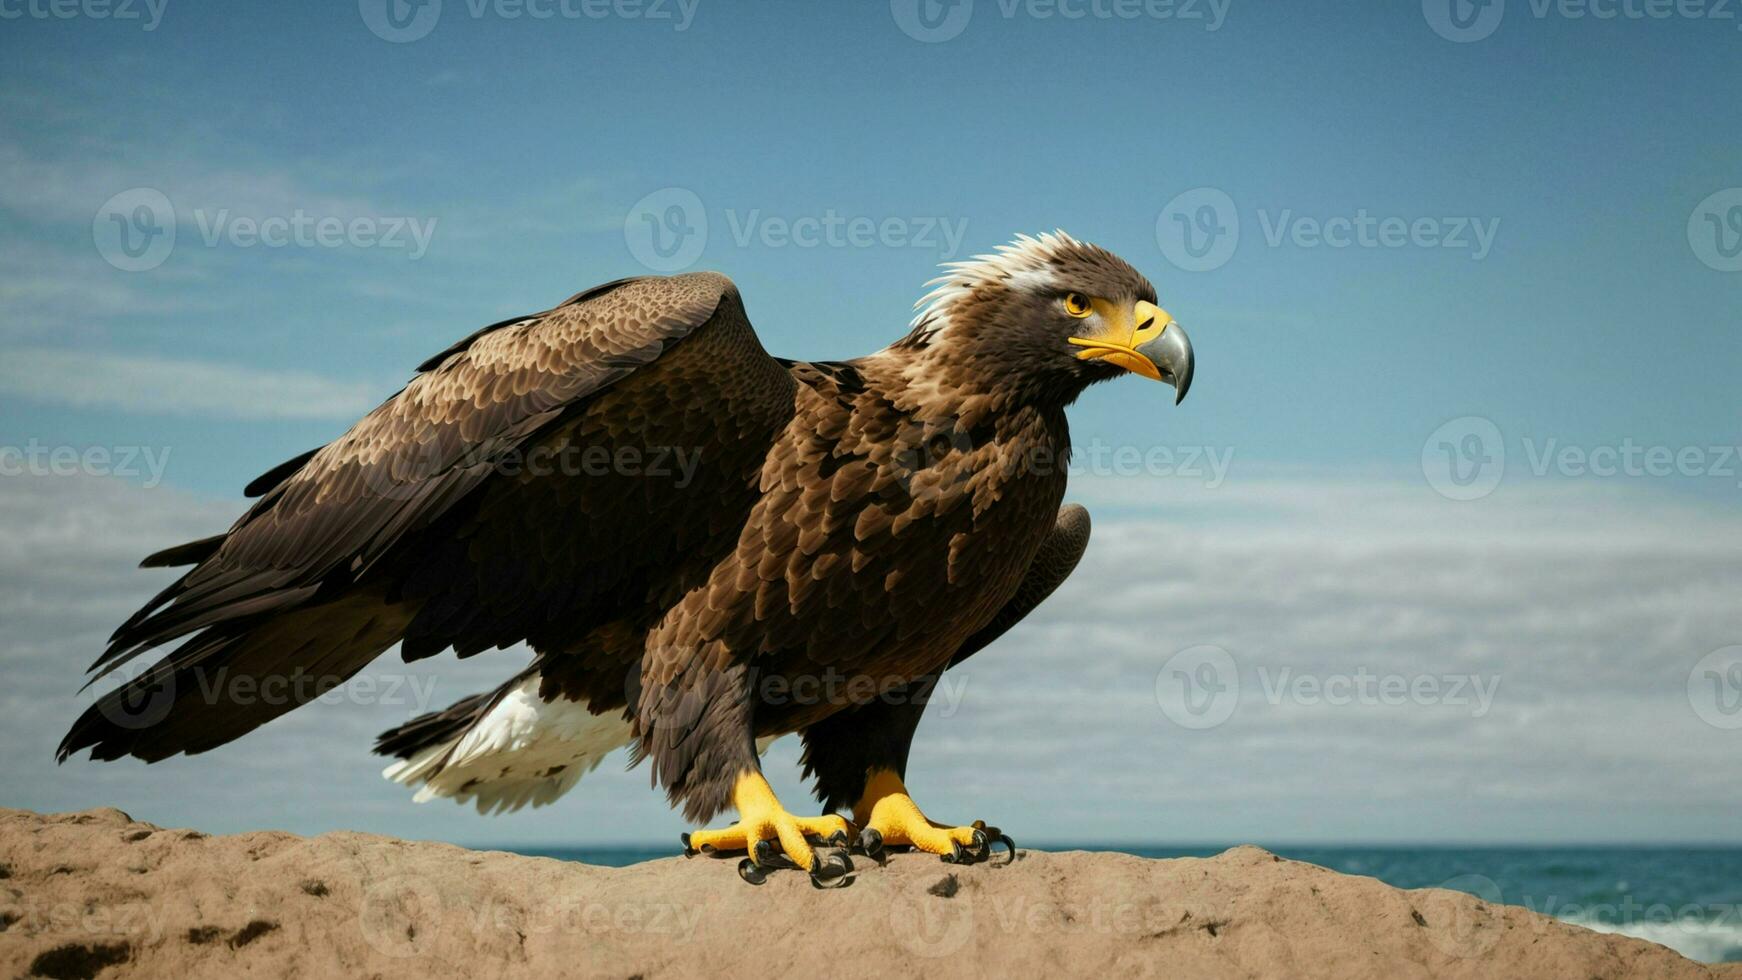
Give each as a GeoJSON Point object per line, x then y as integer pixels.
{"type": "Point", "coordinates": [1567, 280]}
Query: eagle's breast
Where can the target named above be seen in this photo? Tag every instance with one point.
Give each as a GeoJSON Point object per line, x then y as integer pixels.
{"type": "Point", "coordinates": [882, 539]}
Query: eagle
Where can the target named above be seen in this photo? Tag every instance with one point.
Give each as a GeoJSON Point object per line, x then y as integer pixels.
{"type": "Point", "coordinates": [704, 546]}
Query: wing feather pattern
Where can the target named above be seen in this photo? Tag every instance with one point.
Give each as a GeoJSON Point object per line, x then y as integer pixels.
{"type": "Point", "coordinates": [330, 526]}
{"type": "Point", "coordinates": [410, 459]}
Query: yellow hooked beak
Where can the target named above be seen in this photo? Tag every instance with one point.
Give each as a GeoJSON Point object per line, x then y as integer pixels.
{"type": "Point", "coordinates": [1143, 339]}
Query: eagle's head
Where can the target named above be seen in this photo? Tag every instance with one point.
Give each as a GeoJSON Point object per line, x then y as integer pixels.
{"type": "Point", "coordinates": [1051, 314]}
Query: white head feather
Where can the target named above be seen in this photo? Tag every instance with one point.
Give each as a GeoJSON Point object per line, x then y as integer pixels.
{"type": "Point", "coordinates": [1025, 263]}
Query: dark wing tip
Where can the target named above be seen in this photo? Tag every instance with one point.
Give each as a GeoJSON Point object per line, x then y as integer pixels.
{"type": "Point", "coordinates": [191, 553]}
{"type": "Point", "coordinates": [278, 474]}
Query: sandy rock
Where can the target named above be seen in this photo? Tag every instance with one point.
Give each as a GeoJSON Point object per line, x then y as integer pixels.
{"type": "Point", "coordinates": [96, 894]}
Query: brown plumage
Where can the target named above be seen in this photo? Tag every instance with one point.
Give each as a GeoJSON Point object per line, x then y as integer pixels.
{"type": "Point", "coordinates": [704, 545]}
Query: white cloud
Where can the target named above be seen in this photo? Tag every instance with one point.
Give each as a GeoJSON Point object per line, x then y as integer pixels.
{"type": "Point", "coordinates": [138, 383]}
{"type": "Point", "coordinates": [65, 294]}
{"type": "Point", "coordinates": [57, 190]}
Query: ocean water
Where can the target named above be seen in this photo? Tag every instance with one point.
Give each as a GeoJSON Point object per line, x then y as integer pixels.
{"type": "Point", "coordinates": [1686, 898]}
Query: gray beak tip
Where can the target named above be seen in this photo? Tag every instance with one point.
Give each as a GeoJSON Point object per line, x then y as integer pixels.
{"type": "Point", "coordinates": [1171, 353]}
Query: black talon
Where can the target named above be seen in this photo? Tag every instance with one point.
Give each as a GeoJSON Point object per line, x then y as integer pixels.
{"type": "Point", "coordinates": [956, 855]}
{"type": "Point", "coordinates": [837, 839]}
{"type": "Point", "coordinates": [767, 854]}
{"type": "Point", "coordinates": [1000, 837]}
{"type": "Point", "coordinates": [871, 844]}
{"type": "Point", "coordinates": [688, 851]}
{"type": "Point", "coordinates": [830, 871]}
{"type": "Point", "coordinates": [981, 847]}
{"type": "Point", "coordinates": [748, 871]}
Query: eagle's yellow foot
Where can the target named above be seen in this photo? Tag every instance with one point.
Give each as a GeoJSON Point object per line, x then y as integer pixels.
{"type": "Point", "coordinates": [775, 838]}
{"type": "Point", "coordinates": [886, 816]}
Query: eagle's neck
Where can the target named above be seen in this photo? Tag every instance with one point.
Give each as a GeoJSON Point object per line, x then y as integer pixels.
{"type": "Point", "coordinates": [939, 385]}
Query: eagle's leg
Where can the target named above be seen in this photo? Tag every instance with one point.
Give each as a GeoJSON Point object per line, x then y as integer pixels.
{"type": "Point", "coordinates": [762, 818]}
{"type": "Point", "coordinates": [859, 759]}
{"type": "Point", "coordinates": [887, 815]}
{"type": "Point", "coordinates": [698, 729]}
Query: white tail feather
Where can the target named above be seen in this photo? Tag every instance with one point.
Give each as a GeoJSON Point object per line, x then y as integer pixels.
{"type": "Point", "coordinates": [523, 750]}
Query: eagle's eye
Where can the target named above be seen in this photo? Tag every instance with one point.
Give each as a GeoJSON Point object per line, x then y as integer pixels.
{"type": "Point", "coordinates": [1077, 305]}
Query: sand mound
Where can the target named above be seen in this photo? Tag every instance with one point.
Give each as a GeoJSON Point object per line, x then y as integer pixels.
{"type": "Point", "coordinates": [98, 894]}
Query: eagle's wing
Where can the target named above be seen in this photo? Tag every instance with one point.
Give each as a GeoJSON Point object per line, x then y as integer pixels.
{"type": "Point", "coordinates": [1053, 563]}
{"type": "Point", "coordinates": [322, 526]}
{"type": "Point", "coordinates": [412, 458]}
